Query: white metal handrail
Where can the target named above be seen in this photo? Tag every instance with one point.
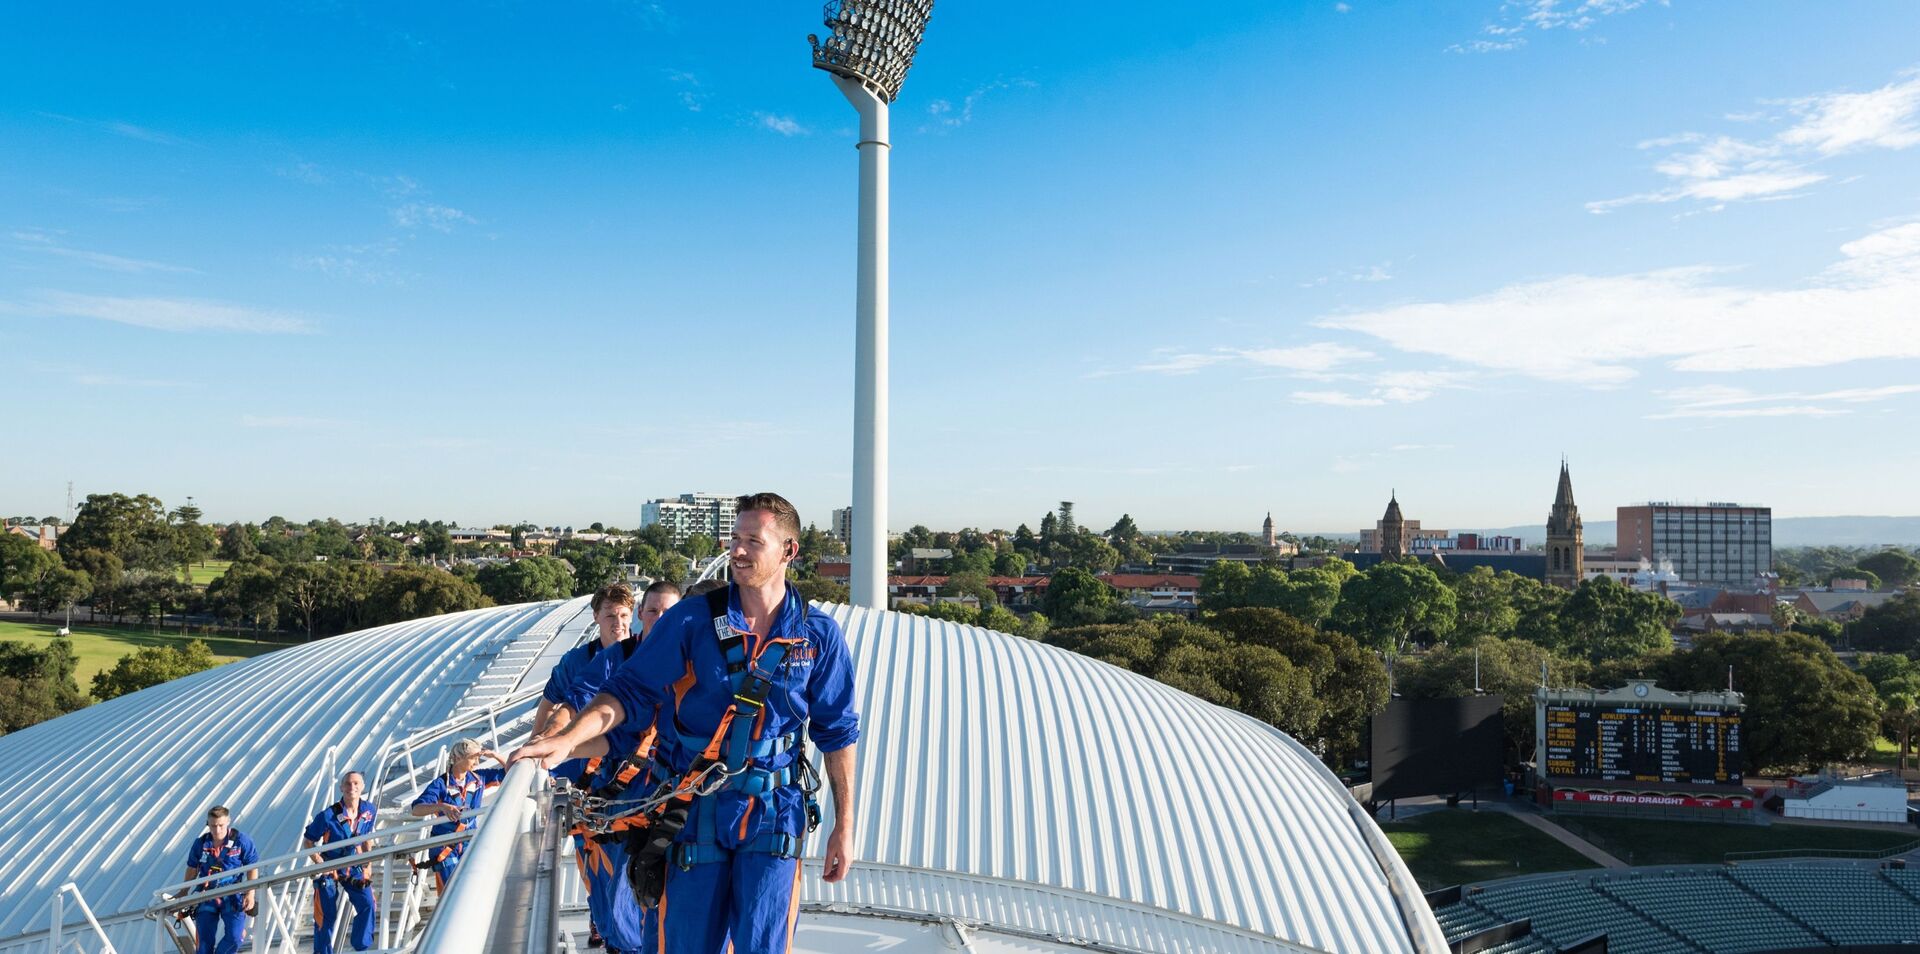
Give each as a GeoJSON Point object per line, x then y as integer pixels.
{"type": "Point", "coordinates": [465, 916]}
{"type": "Point", "coordinates": [54, 938]}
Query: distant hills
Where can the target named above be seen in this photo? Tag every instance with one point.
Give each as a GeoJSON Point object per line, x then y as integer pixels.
{"type": "Point", "coordinates": [1787, 532]}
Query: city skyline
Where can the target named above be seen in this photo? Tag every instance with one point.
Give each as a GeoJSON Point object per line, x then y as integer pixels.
{"type": "Point", "coordinates": [1192, 269]}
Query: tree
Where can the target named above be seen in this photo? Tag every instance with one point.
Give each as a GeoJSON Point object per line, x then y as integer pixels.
{"type": "Point", "coordinates": [1049, 533]}
{"type": "Point", "coordinates": [58, 589]}
{"type": "Point", "coordinates": [1010, 563]}
{"type": "Point", "coordinates": [1891, 627]}
{"type": "Point", "coordinates": [105, 571]}
{"type": "Point", "coordinates": [1892, 567]}
{"type": "Point", "coordinates": [972, 584]}
{"type": "Point", "coordinates": [1604, 620]}
{"type": "Point", "coordinates": [1804, 707]}
{"type": "Point", "coordinates": [1391, 604]}
{"type": "Point", "coordinates": [526, 581]}
{"type": "Point", "coordinates": [1227, 584]}
{"type": "Point", "coordinates": [22, 565]}
{"type": "Point", "coordinates": [1024, 541]}
{"type": "Point", "coordinates": [1348, 682]}
{"type": "Point", "coordinates": [1896, 679]}
{"type": "Point", "coordinates": [304, 587]}
{"type": "Point", "coordinates": [152, 666]}
{"type": "Point", "coordinates": [655, 535]}
{"type": "Point", "coordinates": [135, 529]}
{"type": "Point", "coordinates": [819, 589]}
{"type": "Point", "coordinates": [1087, 552]}
{"type": "Point", "coordinates": [237, 541]}
{"type": "Point", "coordinates": [436, 541]}
{"type": "Point", "coordinates": [1065, 525]}
{"type": "Point", "coordinates": [248, 592]}
{"type": "Point", "coordinates": [700, 547]}
{"type": "Point", "coordinates": [1075, 598]}
{"type": "Point", "coordinates": [193, 541]}
{"type": "Point", "coordinates": [1485, 601]}
{"type": "Point", "coordinates": [413, 592]}
{"type": "Point", "coordinates": [36, 684]}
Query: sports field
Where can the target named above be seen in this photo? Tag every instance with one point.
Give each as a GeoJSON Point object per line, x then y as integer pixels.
{"type": "Point", "coordinates": [1639, 842]}
{"type": "Point", "coordinates": [1456, 846]}
{"type": "Point", "coordinates": [200, 574]}
{"type": "Point", "coordinates": [99, 646]}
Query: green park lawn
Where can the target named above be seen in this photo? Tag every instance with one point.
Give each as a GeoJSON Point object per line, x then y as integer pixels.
{"type": "Point", "coordinates": [1456, 846]}
{"type": "Point", "coordinates": [100, 646]}
{"type": "Point", "coordinates": [200, 574]}
{"type": "Point", "coordinates": [1688, 843]}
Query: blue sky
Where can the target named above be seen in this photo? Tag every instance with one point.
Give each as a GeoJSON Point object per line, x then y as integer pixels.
{"type": "Point", "coordinates": [494, 262]}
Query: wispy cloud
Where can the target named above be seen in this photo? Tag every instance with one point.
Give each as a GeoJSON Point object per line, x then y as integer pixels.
{"type": "Point", "coordinates": [292, 422]}
{"type": "Point", "coordinates": [687, 89]}
{"type": "Point", "coordinates": [303, 172]}
{"type": "Point", "coordinates": [1518, 17]}
{"type": "Point", "coordinates": [1320, 356]}
{"type": "Point", "coordinates": [1365, 273]}
{"type": "Point", "coordinates": [119, 128]}
{"type": "Point", "coordinates": [1589, 330]}
{"type": "Point", "coordinates": [946, 114]}
{"type": "Point", "coordinates": [1389, 387]}
{"type": "Point", "coordinates": [163, 314]}
{"type": "Point", "coordinates": [47, 243]}
{"type": "Point", "coordinates": [440, 218]}
{"type": "Point", "coordinates": [784, 125]}
{"type": "Point", "coordinates": [1719, 401]}
{"type": "Point", "coordinates": [1721, 169]}
{"type": "Point", "coordinates": [370, 263]}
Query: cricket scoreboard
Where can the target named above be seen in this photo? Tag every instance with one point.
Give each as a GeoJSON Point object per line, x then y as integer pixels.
{"type": "Point", "coordinates": [1639, 735]}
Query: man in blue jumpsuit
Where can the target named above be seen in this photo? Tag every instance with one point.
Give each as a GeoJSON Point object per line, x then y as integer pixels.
{"type": "Point", "coordinates": [221, 848]}
{"type": "Point", "coordinates": [733, 876]}
{"type": "Point", "coordinates": [615, 919]}
{"type": "Point", "coordinates": [455, 795]}
{"type": "Point", "coordinates": [347, 818]}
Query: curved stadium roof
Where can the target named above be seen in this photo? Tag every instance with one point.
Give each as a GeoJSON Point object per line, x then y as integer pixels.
{"type": "Point", "coordinates": [1036, 793]}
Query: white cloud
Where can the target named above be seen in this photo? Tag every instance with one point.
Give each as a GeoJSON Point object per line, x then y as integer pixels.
{"type": "Point", "coordinates": [945, 114]}
{"type": "Point", "coordinates": [1336, 399]}
{"type": "Point", "coordinates": [119, 128]}
{"type": "Point", "coordinates": [1318, 357]}
{"type": "Point", "coordinates": [1721, 401]}
{"type": "Point", "coordinates": [1342, 8]}
{"type": "Point", "coordinates": [1588, 330]}
{"type": "Point", "coordinates": [1833, 123]}
{"type": "Point", "coordinates": [1519, 16]}
{"type": "Point", "coordinates": [784, 125]}
{"type": "Point", "coordinates": [1721, 169]}
{"type": "Point", "coordinates": [440, 218]}
{"type": "Point", "coordinates": [1367, 273]}
{"type": "Point", "coordinates": [37, 240]}
{"type": "Point", "coordinates": [165, 314]}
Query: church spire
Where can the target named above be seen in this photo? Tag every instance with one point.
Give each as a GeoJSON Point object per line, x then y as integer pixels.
{"type": "Point", "coordinates": [1566, 545]}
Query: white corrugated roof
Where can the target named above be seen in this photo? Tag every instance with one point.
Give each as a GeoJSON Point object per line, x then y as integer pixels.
{"type": "Point", "coordinates": [1001, 781]}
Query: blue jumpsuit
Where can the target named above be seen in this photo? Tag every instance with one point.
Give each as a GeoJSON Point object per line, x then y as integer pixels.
{"type": "Point", "coordinates": [205, 858]}
{"type": "Point", "coordinates": [576, 679]}
{"type": "Point", "coordinates": [333, 823]}
{"type": "Point", "coordinates": [734, 875]}
{"type": "Point", "coordinates": [624, 925]}
{"type": "Point", "coordinates": [463, 793]}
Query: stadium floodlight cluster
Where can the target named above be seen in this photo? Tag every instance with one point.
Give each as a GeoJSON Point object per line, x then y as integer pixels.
{"type": "Point", "coordinates": [873, 41]}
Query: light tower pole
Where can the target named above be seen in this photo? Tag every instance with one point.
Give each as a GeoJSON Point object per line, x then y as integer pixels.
{"type": "Point", "coordinates": [868, 50]}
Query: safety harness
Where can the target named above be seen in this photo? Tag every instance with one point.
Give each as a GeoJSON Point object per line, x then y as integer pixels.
{"type": "Point", "coordinates": [351, 822]}
{"type": "Point", "coordinates": [735, 757]}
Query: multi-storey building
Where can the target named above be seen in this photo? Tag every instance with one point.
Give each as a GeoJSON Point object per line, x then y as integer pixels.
{"type": "Point", "coordinates": [843, 525]}
{"type": "Point", "coordinates": [1725, 543]}
{"type": "Point", "coordinates": [688, 514]}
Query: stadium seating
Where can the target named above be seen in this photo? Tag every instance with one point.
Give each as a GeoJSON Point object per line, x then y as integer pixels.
{"type": "Point", "coordinates": [1704, 910]}
{"type": "Point", "coordinates": [1849, 903]}
{"type": "Point", "coordinates": [1709, 910]}
{"type": "Point", "coordinates": [1566, 910]}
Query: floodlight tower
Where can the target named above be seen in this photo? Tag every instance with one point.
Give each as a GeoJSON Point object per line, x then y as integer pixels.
{"type": "Point", "coordinates": [868, 50]}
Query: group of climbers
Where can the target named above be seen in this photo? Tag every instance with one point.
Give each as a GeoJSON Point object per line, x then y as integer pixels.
{"type": "Point", "coordinates": [702, 731]}
{"type": "Point", "coordinates": [685, 727]}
